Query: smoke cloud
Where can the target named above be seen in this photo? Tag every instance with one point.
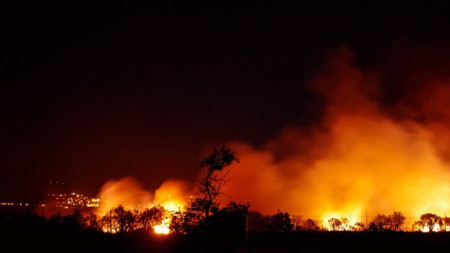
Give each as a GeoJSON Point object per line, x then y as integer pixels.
{"type": "Point", "coordinates": [381, 146]}
{"type": "Point", "coordinates": [131, 194]}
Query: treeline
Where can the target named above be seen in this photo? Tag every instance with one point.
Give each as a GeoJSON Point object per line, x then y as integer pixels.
{"type": "Point", "coordinates": [232, 219]}
{"type": "Point", "coordinates": [120, 220]}
{"type": "Point", "coordinates": [204, 216]}
{"type": "Point", "coordinates": [283, 222]}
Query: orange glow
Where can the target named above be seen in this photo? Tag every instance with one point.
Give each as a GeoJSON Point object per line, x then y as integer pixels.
{"type": "Point", "coordinates": [361, 157]}
{"type": "Point", "coordinates": [172, 195]}
{"type": "Point", "coordinates": [436, 228]}
{"type": "Point", "coordinates": [128, 192]}
{"type": "Point", "coordinates": [162, 228]}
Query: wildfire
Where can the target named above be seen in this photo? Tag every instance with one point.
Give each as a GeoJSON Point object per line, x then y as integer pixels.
{"type": "Point", "coordinates": [131, 195]}
{"type": "Point", "coordinates": [360, 157]}
{"type": "Point", "coordinates": [128, 192]}
{"type": "Point", "coordinates": [163, 228]}
{"type": "Point", "coordinates": [436, 228]}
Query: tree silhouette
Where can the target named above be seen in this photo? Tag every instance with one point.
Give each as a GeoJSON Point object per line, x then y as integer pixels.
{"type": "Point", "coordinates": [381, 222]}
{"type": "Point", "coordinates": [311, 225]}
{"type": "Point", "coordinates": [197, 213]}
{"type": "Point", "coordinates": [230, 219]}
{"type": "Point", "coordinates": [396, 220]}
{"type": "Point", "coordinates": [72, 223]}
{"type": "Point", "coordinates": [211, 185]}
{"type": "Point", "coordinates": [335, 224]}
{"type": "Point", "coordinates": [446, 223]}
{"type": "Point", "coordinates": [125, 219]}
{"type": "Point", "coordinates": [280, 222]}
{"type": "Point", "coordinates": [256, 221]}
{"type": "Point", "coordinates": [151, 217]}
{"type": "Point", "coordinates": [429, 220]}
{"type": "Point", "coordinates": [91, 222]}
{"type": "Point", "coordinates": [360, 226]}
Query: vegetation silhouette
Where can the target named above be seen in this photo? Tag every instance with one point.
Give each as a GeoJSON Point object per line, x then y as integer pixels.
{"type": "Point", "coordinates": [205, 226]}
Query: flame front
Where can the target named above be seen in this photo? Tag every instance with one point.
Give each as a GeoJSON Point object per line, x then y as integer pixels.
{"type": "Point", "coordinates": [164, 227]}
{"type": "Point", "coordinates": [130, 194]}
{"type": "Point", "coordinates": [362, 157]}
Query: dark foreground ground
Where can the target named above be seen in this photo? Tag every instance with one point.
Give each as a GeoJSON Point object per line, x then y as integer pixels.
{"type": "Point", "coordinates": [257, 242]}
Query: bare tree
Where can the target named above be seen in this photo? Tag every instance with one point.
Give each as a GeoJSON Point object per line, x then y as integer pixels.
{"type": "Point", "coordinates": [212, 183]}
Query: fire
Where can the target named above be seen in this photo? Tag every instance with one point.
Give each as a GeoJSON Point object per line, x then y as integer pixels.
{"type": "Point", "coordinates": [129, 193]}
{"type": "Point", "coordinates": [172, 195]}
{"type": "Point", "coordinates": [360, 157]}
{"type": "Point", "coordinates": [162, 229]}
{"type": "Point", "coordinates": [436, 228]}
{"type": "Point", "coordinates": [366, 155]}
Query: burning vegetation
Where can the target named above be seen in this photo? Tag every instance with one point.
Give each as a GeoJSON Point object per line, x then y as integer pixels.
{"type": "Point", "coordinates": [381, 144]}
{"type": "Point", "coordinates": [373, 151]}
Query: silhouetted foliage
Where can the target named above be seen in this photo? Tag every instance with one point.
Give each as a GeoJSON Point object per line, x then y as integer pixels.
{"type": "Point", "coordinates": [335, 224]}
{"type": "Point", "coordinates": [91, 223]}
{"type": "Point", "coordinates": [280, 222]}
{"type": "Point", "coordinates": [255, 221]}
{"type": "Point", "coordinates": [382, 222]}
{"type": "Point", "coordinates": [72, 223]}
{"type": "Point", "coordinates": [373, 227]}
{"type": "Point", "coordinates": [151, 217]}
{"type": "Point", "coordinates": [230, 219]}
{"type": "Point", "coordinates": [429, 221]}
{"type": "Point", "coordinates": [124, 218]}
{"type": "Point", "coordinates": [396, 219]}
{"type": "Point", "coordinates": [196, 216]}
{"type": "Point", "coordinates": [359, 226]}
{"type": "Point", "coordinates": [446, 223]}
{"type": "Point", "coordinates": [392, 222]}
{"type": "Point", "coordinates": [211, 185]}
{"type": "Point", "coordinates": [311, 225]}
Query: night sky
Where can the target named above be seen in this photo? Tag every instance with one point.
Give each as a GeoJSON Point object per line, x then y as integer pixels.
{"type": "Point", "coordinates": [97, 92]}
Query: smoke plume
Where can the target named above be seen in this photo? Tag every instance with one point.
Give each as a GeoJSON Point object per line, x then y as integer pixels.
{"type": "Point", "coordinates": [381, 145]}
{"type": "Point", "coordinates": [131, 194]}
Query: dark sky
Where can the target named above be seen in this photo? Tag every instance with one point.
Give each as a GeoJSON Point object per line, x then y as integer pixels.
{"type": "Point", "coordinates": [97, 92]}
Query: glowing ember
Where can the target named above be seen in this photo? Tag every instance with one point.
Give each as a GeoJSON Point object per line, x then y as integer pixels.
{"type": "Point", "coordinates": [162, 228]}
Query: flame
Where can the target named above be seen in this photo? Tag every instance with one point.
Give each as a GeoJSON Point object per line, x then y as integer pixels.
{"type": "Point", "coordinates": [436, 228]}
{"type": "Point", "coordinates": [367, 153]}
{"type": "Point", "coordinates": [172, 195]}
{"type": "Point", "coordinates": [128, 192]}
{"type": "Point", "coordinates": [360, 157]}
{"type": "Point", "coordinates": [162, 229]}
